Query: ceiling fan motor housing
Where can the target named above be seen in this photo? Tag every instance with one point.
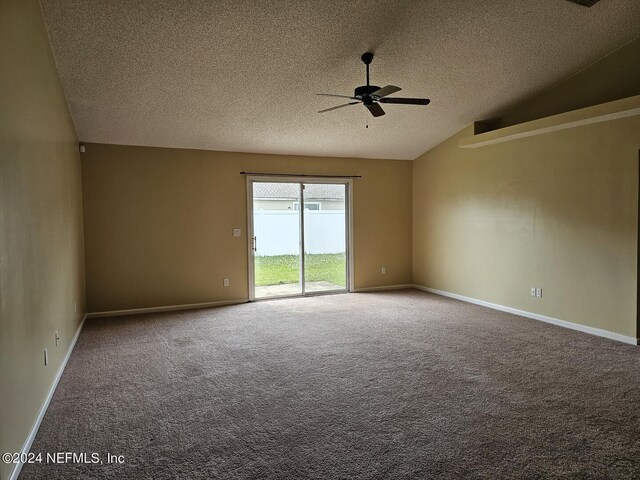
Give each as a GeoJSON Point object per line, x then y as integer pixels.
{"type": "Point", "coordinates": [365, 90]}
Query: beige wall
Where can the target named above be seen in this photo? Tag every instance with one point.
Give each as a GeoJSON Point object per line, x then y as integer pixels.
{"type": "Point", "coordinates": [158, 222]}
{"type": "Point", "coordinates": [556, 211]}
{"type": "Point", "coordinates": [612, 78]}
{"type": "Point", "coordinates": [41, 259]}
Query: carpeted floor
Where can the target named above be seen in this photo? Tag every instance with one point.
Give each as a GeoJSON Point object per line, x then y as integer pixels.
{"type": "Point", "coordinates": [398, 384]}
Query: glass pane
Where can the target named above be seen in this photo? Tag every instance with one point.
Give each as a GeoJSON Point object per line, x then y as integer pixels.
{"type": "Point", "coordinates": [325, 241]}
{"type": "Point", "coordinates": [276, 228]}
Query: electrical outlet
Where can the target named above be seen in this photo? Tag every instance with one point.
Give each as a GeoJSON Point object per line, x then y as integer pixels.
{"type": "Point", "coordinates": [75, 307]}
{"type": "Point", "coordinates": [46, 357]}
{"type": "Point", "coordinates": [533, 291]}
{"type": "Point", "coordinates": [539, 292]}
{"type": "Point", "coordinates": [57, 338]}
{"type": "Point", "coordinates": [384, 270]}
{"type": "Point", "coordinates": [225, 282]}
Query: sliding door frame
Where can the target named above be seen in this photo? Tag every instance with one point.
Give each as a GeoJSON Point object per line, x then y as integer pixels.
{"type": "Point", "coordinates": [347, 182]}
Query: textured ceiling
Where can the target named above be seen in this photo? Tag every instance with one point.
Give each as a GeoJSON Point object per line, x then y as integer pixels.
{"type": "Point", "coordinates": [240, 75]}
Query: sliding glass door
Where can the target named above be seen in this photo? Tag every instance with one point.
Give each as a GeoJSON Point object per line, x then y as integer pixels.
{"type": "Point", "coordinates": [299, 237]}
{"type": "Point", "coordinates": [276, 239]}
{"type": "Point", "coordinates": [325, 237]}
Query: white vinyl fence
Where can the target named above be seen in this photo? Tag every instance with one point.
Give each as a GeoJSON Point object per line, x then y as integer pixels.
{"type": "Point", "coordinates": [277, 231]}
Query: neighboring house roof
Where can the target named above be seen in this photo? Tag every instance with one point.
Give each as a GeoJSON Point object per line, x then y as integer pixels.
{"type": "Point", "coordinates": [291, 191]}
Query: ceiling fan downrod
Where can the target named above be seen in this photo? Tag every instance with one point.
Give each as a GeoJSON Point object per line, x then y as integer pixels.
{"type": "Point", "coordinates": [367, 58]}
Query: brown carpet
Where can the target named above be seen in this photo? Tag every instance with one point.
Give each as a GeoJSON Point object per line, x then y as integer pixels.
{"type": "Point", "coordinates": [382, 385]}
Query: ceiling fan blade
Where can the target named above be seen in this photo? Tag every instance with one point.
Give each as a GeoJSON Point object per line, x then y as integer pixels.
{"type": "Point", "coordinates": [375, 109]}
{"type": "Point", "coordinates": [384, 91]}
{"type": "Point", "coordinates": [339, 96]}
{"type": "Point", "coordinates": [406, 101]}
{"type": "Point", "coordinates": [339, 106]}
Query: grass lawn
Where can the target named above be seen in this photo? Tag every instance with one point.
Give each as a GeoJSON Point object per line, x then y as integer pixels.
{"type": "Point", "coordinates": [281, 269]}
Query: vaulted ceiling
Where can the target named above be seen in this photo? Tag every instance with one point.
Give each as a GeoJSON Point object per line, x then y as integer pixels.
{"type": "Point", "coordinates": [240, 75]}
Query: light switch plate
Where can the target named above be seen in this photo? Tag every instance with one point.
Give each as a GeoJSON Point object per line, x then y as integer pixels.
{"type": "Point", "coordinates": [236, 232]}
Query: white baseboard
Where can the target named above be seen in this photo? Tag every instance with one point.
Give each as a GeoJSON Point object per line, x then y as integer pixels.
{"type": "Point", "coordinates": [166, 308]}
{"type": "Point", "coordinates": [535, 316]}
{"type": "Point", "coordinates": [26, 447]}
{"type": "Point", "coordinates": [381, 288]}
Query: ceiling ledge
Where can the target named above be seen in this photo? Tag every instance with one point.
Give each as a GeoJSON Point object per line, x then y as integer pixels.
{"type": "Point", "coordinates": [604, 112]}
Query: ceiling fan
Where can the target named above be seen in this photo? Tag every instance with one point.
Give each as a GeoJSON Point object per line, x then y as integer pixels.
{"type": "Point", "coordinates": [371, 95]}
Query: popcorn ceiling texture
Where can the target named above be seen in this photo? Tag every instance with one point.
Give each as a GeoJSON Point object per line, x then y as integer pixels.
{"type": "Point", "coordinates": [241, 75]}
